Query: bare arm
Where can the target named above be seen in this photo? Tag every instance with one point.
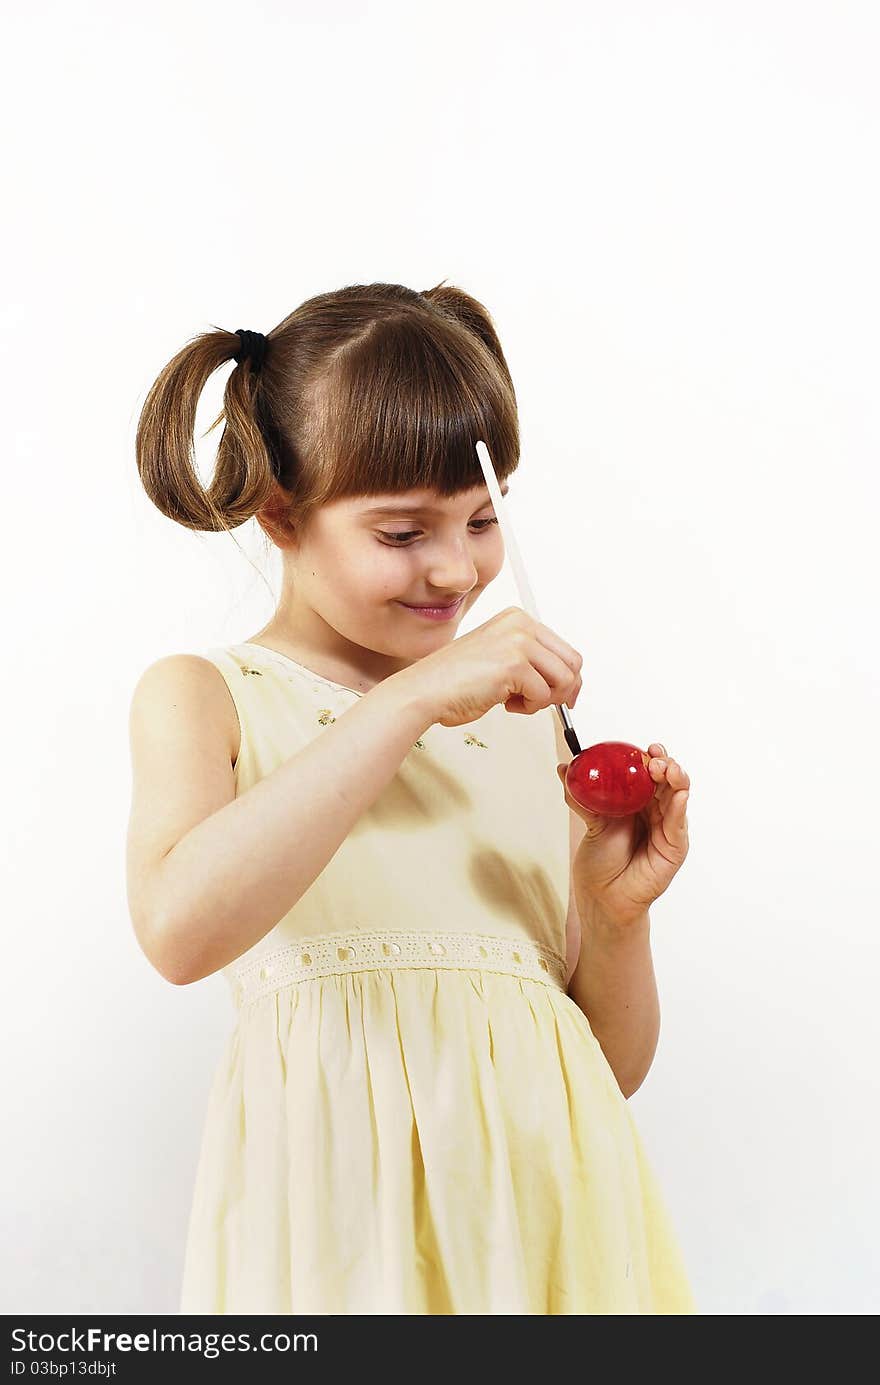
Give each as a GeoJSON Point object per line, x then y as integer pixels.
{"type": "Point", "coordinates": [610, 973]}
{"type": "Point", "coordinates": [231, 877]}
{"type": "Point", "coordinates": [614, 985]}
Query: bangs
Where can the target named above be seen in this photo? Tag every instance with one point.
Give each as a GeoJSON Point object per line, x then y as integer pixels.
{"type": "Point", "coordinates": [403, 405]}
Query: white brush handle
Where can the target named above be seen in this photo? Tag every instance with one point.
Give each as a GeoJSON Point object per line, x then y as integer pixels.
{"type": "Point", "coordinates": [510, 544]}
{"type": "Point", "coordinates": [519, 571]}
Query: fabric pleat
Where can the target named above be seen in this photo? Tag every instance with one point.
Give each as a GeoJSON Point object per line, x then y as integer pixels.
{"type": "Point", "coordinates": [419, 1141]}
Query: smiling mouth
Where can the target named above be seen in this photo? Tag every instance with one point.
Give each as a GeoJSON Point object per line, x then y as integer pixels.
{"type": "Point", "coordinates": [434, 605]}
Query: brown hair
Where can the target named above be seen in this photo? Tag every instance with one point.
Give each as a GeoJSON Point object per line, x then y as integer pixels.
{"type": "Point", "coordinates": [367, 389]}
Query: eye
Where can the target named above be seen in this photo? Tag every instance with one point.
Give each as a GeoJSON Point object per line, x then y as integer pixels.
{"type": "Point", "coordinates": [398, 540]}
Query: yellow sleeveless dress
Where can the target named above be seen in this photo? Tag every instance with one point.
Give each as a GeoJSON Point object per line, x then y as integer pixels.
{"type": "Point", "coordinates": [410, 1114]}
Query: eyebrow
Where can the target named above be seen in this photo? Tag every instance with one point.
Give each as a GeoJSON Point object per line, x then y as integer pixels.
{"type": "Point", "coordinates": [420, 509]}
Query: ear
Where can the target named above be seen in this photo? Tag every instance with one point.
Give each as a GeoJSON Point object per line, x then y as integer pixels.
{"type": "Point", "coordinates": [274, 519]}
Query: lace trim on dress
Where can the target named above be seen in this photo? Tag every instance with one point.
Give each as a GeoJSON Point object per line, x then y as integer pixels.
{"type": "Point", "coordinates": [353, 950]}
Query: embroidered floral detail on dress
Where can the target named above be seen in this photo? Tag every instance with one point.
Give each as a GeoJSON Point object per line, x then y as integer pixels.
{"type": "Point", "coordinates": [325, 716]}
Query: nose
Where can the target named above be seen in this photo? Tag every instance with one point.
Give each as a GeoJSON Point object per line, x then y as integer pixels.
{"type": "Point", "coordinates": [454, 571]}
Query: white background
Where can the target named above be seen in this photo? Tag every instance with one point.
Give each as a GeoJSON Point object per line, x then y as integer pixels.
{"type": "Point", "coordinates": [671, 211]}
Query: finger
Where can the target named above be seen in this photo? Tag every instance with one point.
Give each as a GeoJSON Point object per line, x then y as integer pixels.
{"type": "Point", "coordinates": [667, 774]}
{"type": "Point", "coordinates": [558, 645]}
{"type": "Point", "coordinates": [675, 823]}
{"type": "Point", "coordinates": [560, 667]}
{"type": "Point", "coordinates": [670, 802]}
{"type": "Point", "coordinates": [676, 805]}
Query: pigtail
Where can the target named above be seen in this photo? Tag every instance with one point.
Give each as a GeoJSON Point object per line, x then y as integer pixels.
{"type": "Point", "coordinates": [244, 474]}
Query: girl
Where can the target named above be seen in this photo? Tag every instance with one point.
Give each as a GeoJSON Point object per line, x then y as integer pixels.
{"type": "Point", "coordinates": [439, 961]}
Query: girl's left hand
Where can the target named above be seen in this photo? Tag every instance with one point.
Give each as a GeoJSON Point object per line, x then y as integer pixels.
{"type": "Point", "coordinates": [624, 864]}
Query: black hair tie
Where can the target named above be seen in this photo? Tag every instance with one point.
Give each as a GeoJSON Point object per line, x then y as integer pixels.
{"type": "Point", "coordinates": [253, 348]}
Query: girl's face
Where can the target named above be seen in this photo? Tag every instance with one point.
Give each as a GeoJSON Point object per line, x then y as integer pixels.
{"type": "Point", "coordinates": [363, 560]}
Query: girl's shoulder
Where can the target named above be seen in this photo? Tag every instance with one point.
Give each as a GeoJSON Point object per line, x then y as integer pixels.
{"type": "Point", "coordinates": [183, 748]}
{"type": "Point", "coordinates": [185, 695]}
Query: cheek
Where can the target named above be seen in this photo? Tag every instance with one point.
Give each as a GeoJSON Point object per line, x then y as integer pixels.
{"type": "Point", "coordinates": [387, 576]}
{"type": "Point", "coordinates": [490, 567]}
{"type": "Point", "coordinates": [373, 585]}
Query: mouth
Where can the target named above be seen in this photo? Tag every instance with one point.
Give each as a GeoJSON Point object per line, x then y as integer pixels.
{"type": "Point", "coordinates": [433, 605]}
{"type": "Point", "coordinates": [444, 612]}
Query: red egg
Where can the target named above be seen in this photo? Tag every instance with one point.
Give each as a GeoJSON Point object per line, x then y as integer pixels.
{"type": "Point", "coordinates": [610, 778]}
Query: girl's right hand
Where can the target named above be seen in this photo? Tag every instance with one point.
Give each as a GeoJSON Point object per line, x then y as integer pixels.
{"type": "Point", "coordinates": [512, 658]}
